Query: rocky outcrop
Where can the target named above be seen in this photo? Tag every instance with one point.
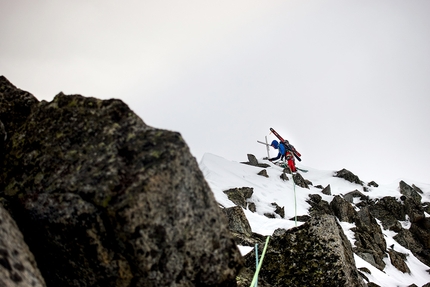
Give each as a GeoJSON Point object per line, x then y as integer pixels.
{"type": "Point", "coordinates": [326, 190]}
{"type": "Point", "coordinates": [316, 253]}
{"type": "Point", "coordinates": [15, 107]}
{"type": "Point", "coordinates": [343, 209]}
{"type": "Point", "coordinates": [349, 176]}
{"type": "Point", "coordinates": [263, 173]}
{"type": "Point", "coordinates": [240, 195]}
{"type": "Point", "coordinates": [239, 226]}
{"type": "Point", "coordinates": [17, 264]}
{"type": "Point", "coordinates": [237, 221]}
{"type": "Point", "coordinates": [370, 243]}
{"type": "Point", "coordinates": [318, 206]}
{"type": "Point", "coordinates": [252, 160]}
{"type": "Point", "coordinates": [104, 200]}
{"type": "Point", "coordinates": [409, 192]}
{"type": "Point", "coordinates": [369, 217]}
{"type": "Point", "coordinates": [300, 181]}
{"type": "Point", "coordinates": [390, 211]}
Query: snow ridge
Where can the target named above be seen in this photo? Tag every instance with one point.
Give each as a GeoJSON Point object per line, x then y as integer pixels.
{"type": "Point", "coordinates": [222, 174]}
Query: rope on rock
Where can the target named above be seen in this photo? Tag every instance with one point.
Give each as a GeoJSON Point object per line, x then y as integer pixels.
{"type": "Point", "coordinates": [254, 280]}
{"type": "Point", "coordinates": [295, 201]}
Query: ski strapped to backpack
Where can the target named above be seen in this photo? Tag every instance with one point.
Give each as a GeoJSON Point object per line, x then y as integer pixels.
{"type": "Point", "coordinates": [287, 145]}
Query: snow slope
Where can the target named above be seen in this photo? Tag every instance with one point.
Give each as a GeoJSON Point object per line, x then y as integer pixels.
{"type": "Point", "coordinates": [222, 174]}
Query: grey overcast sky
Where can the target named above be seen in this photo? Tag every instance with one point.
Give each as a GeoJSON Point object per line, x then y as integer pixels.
{"type": "Point", "coordinates": [347, 82]}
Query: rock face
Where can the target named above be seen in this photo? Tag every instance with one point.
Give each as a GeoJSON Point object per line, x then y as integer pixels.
{"type": "Point", "coordinates": [17, 264]}
{"type": "Point", "coordinates": [240, 196]}
{"type": "Point", "coordinates": [104, 200]}
{"type": "Point", "coordinates": [317, 253]}
{"type": "Point", "coordinates": [349, 176]}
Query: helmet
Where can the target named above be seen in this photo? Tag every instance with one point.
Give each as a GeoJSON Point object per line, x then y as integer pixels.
{"type": "Point", "coordinates": [274, 144]}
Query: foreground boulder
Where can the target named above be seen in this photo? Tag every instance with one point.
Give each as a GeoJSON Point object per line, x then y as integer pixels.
{"type": "Point", "coordinates": [104, 200]}
{"type": "Point", "coordinates": [17, 264]}
{"type": "Point", "coordinates": [316, 253]}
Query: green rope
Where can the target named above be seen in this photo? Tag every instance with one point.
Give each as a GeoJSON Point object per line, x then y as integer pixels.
{"type": "Point", "coordinates": [295, 202]}
{"type": "Point", "coordinates": [259, 265]}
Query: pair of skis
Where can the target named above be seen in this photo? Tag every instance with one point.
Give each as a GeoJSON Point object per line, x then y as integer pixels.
{"type": "Point", "coordinates": [287, 145]}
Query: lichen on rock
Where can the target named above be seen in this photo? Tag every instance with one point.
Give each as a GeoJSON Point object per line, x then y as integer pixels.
{"type": "Point", "coordinates": [105, 200]}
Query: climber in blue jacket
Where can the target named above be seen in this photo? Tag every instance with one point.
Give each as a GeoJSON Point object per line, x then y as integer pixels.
{"type": "Point", "coordinates": [282, 150]}
{"type": "Point", "coordinates": [284, 153]}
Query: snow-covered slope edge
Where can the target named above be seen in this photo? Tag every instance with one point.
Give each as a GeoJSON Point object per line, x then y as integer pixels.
{"type": "Point", "coordinates": [222, 174]}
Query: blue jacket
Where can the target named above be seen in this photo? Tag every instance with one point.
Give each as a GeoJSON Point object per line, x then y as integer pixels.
{"type": "Point", "coordinates": [281, 149]}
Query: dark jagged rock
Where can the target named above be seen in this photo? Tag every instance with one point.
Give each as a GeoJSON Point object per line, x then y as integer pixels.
{"type": "Point", "coordinates": [426, 207]}
{"type": "Point", "coordinates": [270, 215]}
{"type": "Point", "coordinates": [372, 183]}
{"type": "Point", "coordinates": [398, 260]}
{"type": "Point", "coordinates": [326, 190]}
{"type": "Point", "coordinates": [300, 181]}
{"type": "Point", "coordinates": [250, 240]}
{"type": "Point", "coordinates": [343, 209]}
{"type": "Point", "coordinates": [389, 211]}
{"type": "Point", "coordinates": [104, 200]}
{"type": "Point", "coordinates": [263, 173]}
{"type": "Point", "coordinates": [370, 243]}
{"type": "Point", "coordinates": [414, 210]}
{"type": "Point", "coordinates": [355, 194]}
{"type": "Point", "coordinates": [237, 221]}
{"type": "Point", "coordinates": [15, 106]}
{"type": "Point", "coordinates": [421, 233]}
{"type": "Point", "coordinates": [417, 189]}
{"type": "Point", "coordinates": [3, 137]}
{"type": "Point", "coordinates": [409, 192]}
{"type": "Point", "coordinates": [279, 210]}
{"type": "Point", "coordinates": [239, 226]}
{"type": "Point", "coordinates": [284, 176]}
{"type": "Point", "coordinates": [17, 264]}
{"type": "Point", "coordinates": [407, 239]}
{"type": "Point", "coordinates": [300, 218]}
{"type": "Point", "coordinates": [365, 270]}
{"type": "Point", "coordinates": [349, 176]}
{"type": "Point", "coordinates": [252, 207]}
{"type": "Point", "coordinates": [316, 253]}
{"type": "Point", "coordinates": [239, 195]}
{"type": "Point", "coordinates": [252, 160]}
{"type": "Point", "coordinates": [318, 206]}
